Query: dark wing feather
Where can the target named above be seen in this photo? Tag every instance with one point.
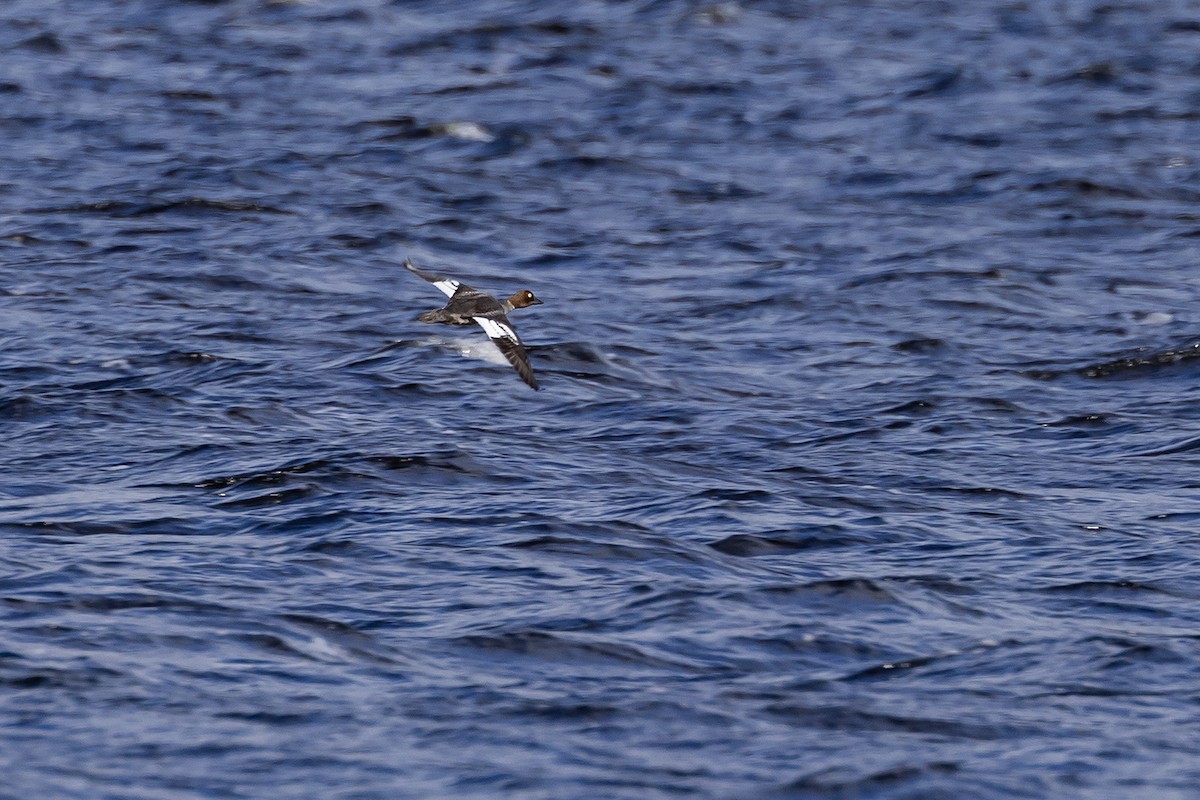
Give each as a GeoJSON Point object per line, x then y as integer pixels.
{"type": "Point", "coordinates": [447, 286]}
{"type": "Point", "coordinates": [504, 336]}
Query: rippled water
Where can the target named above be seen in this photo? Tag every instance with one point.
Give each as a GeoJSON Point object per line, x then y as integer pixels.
{"type": "Point", "coordinates": [863, 464]}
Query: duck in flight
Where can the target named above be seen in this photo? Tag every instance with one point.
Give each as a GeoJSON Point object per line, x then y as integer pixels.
{"type": "Point", "coordinates": [467, 306]}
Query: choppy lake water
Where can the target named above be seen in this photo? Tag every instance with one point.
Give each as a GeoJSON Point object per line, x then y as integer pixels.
{"type": "Point", "coordinates": [863, 464]}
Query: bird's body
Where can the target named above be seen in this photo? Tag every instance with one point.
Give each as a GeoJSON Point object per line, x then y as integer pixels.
{"type": "Point", "coordinates": [464, 306]}
{"type": "Point", "coordinates": [470, 306]}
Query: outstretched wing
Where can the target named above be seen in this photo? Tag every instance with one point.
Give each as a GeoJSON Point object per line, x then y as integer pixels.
{"type": "Point", "coordinates": [447, 286]}
{"type": "Point", "coordinates": [504, 336]}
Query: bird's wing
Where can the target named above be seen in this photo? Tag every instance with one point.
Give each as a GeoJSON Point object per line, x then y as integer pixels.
{"type": "Point", "coordinates": [504, 336]}
{"type": "Point", "coordinates": [447, 286]}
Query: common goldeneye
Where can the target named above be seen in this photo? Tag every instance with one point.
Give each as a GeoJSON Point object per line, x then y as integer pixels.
{"type": "Point", "coordinates": [467, 305]}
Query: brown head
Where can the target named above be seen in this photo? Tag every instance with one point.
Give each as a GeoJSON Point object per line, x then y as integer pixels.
{"type": "Point", "coordinates": [524, 298]}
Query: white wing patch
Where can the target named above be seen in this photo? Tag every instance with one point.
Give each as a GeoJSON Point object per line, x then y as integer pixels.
{"type": "Point", "coordinates": [447, 286]}
{"type": "Point", "coordinates": [496, 330]}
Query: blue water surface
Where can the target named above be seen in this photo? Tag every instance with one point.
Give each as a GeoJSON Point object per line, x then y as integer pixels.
{"type": "Point", "coordinates": [864, 464]}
